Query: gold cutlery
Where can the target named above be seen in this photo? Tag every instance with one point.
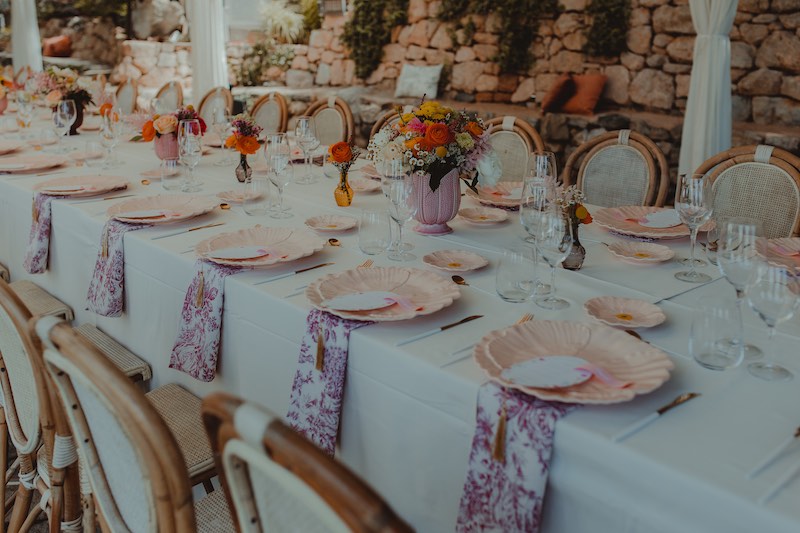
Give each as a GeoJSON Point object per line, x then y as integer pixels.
{"type": "Point", "coordinates": [288, 274]}
{"type": "Point", "coordinates": [458, 280]}
{"type": "Point", "coordinates": [639, 424]}
{"type": "Point", "coordinates": [782, 482]}
{"type": "Point", "coordinates": [366, 264]}
{"type": "Point", "coordinates": [333, 241]}
{"type": "Point", "coordinates": [181, 232]}
{"type": "Point", "coordinates": [104, 199]}
{"type": "Point", "coordinates": [437, 330]}
{"type": "Point", "coordinates": [773, 454]}
{"type": "Point", "coordinates": [527, 317]}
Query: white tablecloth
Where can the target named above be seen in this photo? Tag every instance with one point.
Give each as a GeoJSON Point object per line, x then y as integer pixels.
{"type": "Point", "coordinates": [407, 421]}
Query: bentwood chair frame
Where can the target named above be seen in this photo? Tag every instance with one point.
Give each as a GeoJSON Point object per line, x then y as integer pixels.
{"type": "Point", "coordinates": [391, 117]}
{"type": "Point", "coordinates": [134, 88]}
{"type": "Point", "coordinates": [44, 445]}
{"type": "Point", "coordinates": [249, 441]}
{"type": "Point", "coordinates": [513, 140]}
{"type": "Point", "coordinates": [172, 86]}
{"type": "Point", "coordinates": [757, 181]}
{"type": "Point", "coordinates": [321, 110]}
{"type": "Point", "coordinates": [207, 98]}
{"type": "Point", "coordinates": [274, 100]}
{"type": "Point", "coordinates": [612, 182]}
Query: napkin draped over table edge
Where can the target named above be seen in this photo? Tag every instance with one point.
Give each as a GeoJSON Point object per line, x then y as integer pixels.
{"type": "Point", "coordinates": [38, 249]}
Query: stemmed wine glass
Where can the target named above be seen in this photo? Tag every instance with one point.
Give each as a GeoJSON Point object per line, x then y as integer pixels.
{"type": "Point", "coordinates": [306, 133]}
{"type": "Point", "coordinates": [402, 208]}
{"type": "Point", "coordinates": [220, 123]}
{"type": "Point", "coordinates": [554, 243]}
{"type": "Point", "coordinates": [190, 148]}
{"type": "Point", "coordinates": [280, 178]}
{"type": "Point", "coordinates": [535, 202]}
{"type": "Point", "coordinates": [391, 170]}
{"type": "Point", "coordinates": [542, 166]}
{"type": "Point", "coordinates": [24, 108]}
{"type": "Point", "coordinates": [110, 134]}
{"type": "Point", "coordinates": [773, 298]}
{"type": "Point", "coordinates": [741, 265]}
{"type": "Point", "coordinates": [63, 118]}
{"type": "Point", "coordinates": [694, 207]}
{"type": "Point", "coordinates": [276, 154]}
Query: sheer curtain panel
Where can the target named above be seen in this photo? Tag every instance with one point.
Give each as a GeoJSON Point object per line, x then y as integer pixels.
{"type": "Point", "coordinates": [25, 43]}
{"type": "Point", "coordinates": [207, 31]}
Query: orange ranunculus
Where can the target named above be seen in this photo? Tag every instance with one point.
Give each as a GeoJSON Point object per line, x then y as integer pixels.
{"type": "Point", "coordinates": [475, 129]}
{"type": "Point", "coordinates": [416, 144]}
{"type": "Point", "coordinates": [148, 131]}
{"type": "Point", "coordinates": [244, 145]}
{"type": "Point", "coordinates": [438, 134]}
{"type": "Point", "coordinates": [340, 152]}
{"type": "Point", "coordinates": [104, 109]}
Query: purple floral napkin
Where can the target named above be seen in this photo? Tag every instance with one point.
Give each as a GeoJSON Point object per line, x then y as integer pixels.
{"type": "Point", "coordinates": [509, 461]}
{"type": "Point", "coordinates": [197, 347]}
{"type": "Point", "coordinates": [106, 289]}
{"type": "Point", "coordinates": [39, 237]}
{"type": "Point", "coordinates": [316, 399]}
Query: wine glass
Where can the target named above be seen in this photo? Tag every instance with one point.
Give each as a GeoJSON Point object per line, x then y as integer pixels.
{"type": "Point", "coordinates": [276, 151]}
{"type": "Point", "coordinates": [190, 149]}
{"type": "Point", "coordinates": [535, 202]}
{"type": "Point", "coordinates": [220, 123]}
{"type": "Point", "coordinates": [542, 166]}
{"type": "Point", "coordinates": [402, 208]}
{"type": "Point", "coordinates": [390, 170]}
{"type": "Point", "coordinates": [280, 178]}
{"type": "Point", "coordinates": [693, 204]}
{"type": "Point", "coordinates": [741, 265]}
{"type": "Point", "coordinates": [554, 243]}
{"type": "Point", "coordinates": [256, 195]}
{"type": "Point", "coordinates": [24, 108]}
{"type": "Point", "coordinates": [773, 298]}
{"type": "Point", "coordinates": [306, 134]}
{"type": "Point", "coordinates": [64, 117]}
{"type": "Point", "coordinates": [110, 133]}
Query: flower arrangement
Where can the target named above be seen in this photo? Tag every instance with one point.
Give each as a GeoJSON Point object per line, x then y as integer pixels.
{"type": "Point", "coordinates": [245, 135]}
{"type": "Point", "coordinates": [57, 84]}
{"type": "Point", "coordinates": [571, 199]}
{"type": "Point", "coordinates": [437, 139]}
{"type": "Point", "coordinates": [342, 155]}
{"type": "Point", "coordinates": [165, 124]}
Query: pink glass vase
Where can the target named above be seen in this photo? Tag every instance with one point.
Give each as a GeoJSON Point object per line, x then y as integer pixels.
{"type": "Point", "coordinates": [436, 208]}
{"type": "Point", "coordinates": [166, 146]}
{"type": "Point", "coordinates": [3, 104]}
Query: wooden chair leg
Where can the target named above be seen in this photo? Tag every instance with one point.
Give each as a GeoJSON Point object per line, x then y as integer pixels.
{"type": "Point", "coordinates": [89, 519]}
{"type": "Point", "coordinates": [29, 521]}
{"type": "Point", "coordinates": [22, 503]}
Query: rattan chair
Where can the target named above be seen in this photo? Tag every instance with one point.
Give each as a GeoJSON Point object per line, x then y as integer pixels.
{"type": "Point", "coordinates": [213, 100]}
{"type": "Point", "coordinates": [513, 140]}
{"type": "Point", "coordinates": [136, 464]}
{"type": "Point", "coordinates": [40, 302]}
{"type": "Point", "coordinates": [762, 182]}
{"type": "Point", "coordinates": [333, 119]}
{"type": "Point", "coordinates": [271, 112]}
{"type": "Point", "coordinates": [170, 95]}
{"type": "Point", "coordinates": [389, 118]}
{"type": "Point", "coordinates": [4, 275]}
{"type": "Point", "coordinates": [278, 481]}
{"type": "Point", "coordinates": [127, 93]}
{"type": "Point", "coordinates": [619, 168]}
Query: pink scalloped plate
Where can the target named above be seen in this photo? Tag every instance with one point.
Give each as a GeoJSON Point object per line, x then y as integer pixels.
{"type": "Point", "coordinates": [369, 171]}
{"type": "Point", "coordinates": [506, 194]}
{"type": "Point", "coordinates": [6, 147]}
{"type": "Point", "coordinates": [364, 185]}
{"type": "Point", "coordinates": [279, 245]}
{"type": "Point", "coordinates": [455, 260]}
{"type": "Point", "coordinates": [78, 186]}
{"type": "Point", "coordinates": [781, 252]}
{"type": "Point", "coordinates": [623, 356]}
{"type": "Point", "coordinates": [625, 312]}
{"type": "Point", "coordinates": [641, 253]}
{"type": "Point", "coordinates": [31, 163]}
{"type": "Point", "coordinates": [162, 209]}
{"type": "Point", "coordinates": [625, 220]}
{"type": "Point", "coordinates": [424, 291]}
{"type": "Point", "coordinates": [237, 196]}
{"type": "Point", "coordinates": [483, 216]}
{"type": "Point", "coordinates": [331, 223]}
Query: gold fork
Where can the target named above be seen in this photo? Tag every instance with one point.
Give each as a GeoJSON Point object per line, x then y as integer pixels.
{"type": "Point", "coordinates": [527, 317]}
{"type": "Point", "coordinates": [366, 264]}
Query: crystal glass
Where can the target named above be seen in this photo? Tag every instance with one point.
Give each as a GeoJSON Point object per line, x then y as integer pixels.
{"type": "Point", "coordinates": [24, 101]}
{"type": "Point", "coordinates": [276, 151]}
{"type": "Point", "coordinates": [741, 265]}
{"type": "Point", "coordinates": [390, 170]}
{"type": "Point", "coordinates": [516, 274]}
{"type": "Point", "coordinates": [535, 202]}
{"type": "Point", "coordinates": [773, 298]}
{"type": "Point", "coordinates": [280, 179]}
{"type": "Point", "coordinates": [256, 195]}
{"type": "Point", "coordinates": [221, 123]}
{"type": "Point", "coordinates": [94, 155]}
{"type": "Point", "coordinates": [374, 232]}
{"type": "Point", "coordinates": [402, 208]}
{"type": "Point", "coordinates": [306, 134]}
{"type": "Point", "coordinates": [713, 325]}
{"type": "Point", "coordinates": [694, 206]}
{"type": "Point", "coordinates": [110, 133]}
{"type": "Point", "coordinates": [554, 243]}
{"type": "Point", "coordinates": [171, 174]}
{"type": "Point", "coordinates": [542, 166]}
{"type": "Point", "coordinates": [64, 117]}
{"type": "Point", "coordinates": [190, 147]}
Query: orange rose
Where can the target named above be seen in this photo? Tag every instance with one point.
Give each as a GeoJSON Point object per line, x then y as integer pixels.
{"type": "Point", "coordinates": [104, 109]}
{"type": "Point", "coordinates": [422, 144]}
{"type": "Point", "coordinates": [438, 134]}
{"type": "Point", "coordinates": [148, 131]}
{"type": "Point", "coordinates": [475, 129]}
{"type": "Point", "coordinates": [340, 152]}
{"type": "Point", "coordinates": [244, 145]}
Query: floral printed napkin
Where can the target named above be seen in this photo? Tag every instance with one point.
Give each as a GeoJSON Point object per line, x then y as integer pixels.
{"type": "Point", "coordinates": [39, 237]}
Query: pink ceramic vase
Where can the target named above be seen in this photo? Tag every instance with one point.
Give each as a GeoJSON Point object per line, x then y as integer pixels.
{"type": "Point", "coordinates": [436, 208]}
{"type": "Point", "coordinates": [166, 146]}
{"type": "Point", "coordinates": [3, 104]}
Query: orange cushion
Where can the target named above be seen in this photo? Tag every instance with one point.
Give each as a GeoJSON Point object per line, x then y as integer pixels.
{"type": "Point", "coordinates": [588, 89]}
{"type": "Point", "coordinates": [561, 91]}
{"type": "Point", "coordinates": [59, 46]}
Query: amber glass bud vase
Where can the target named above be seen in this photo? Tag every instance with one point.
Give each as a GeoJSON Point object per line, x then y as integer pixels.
{"type": "Point", "coordinates": [343, 193]}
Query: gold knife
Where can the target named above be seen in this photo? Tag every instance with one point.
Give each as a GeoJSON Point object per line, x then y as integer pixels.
{"type": "Point", "coordinates": [437, 330]}
{"type": "Point", "coordinates": [639, 424]}
{"type": "Point", "coordinates": [281, 276]}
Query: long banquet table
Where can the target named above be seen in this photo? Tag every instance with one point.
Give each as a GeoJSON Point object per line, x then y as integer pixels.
{"type": "Point", "coordinates": [408, 415]}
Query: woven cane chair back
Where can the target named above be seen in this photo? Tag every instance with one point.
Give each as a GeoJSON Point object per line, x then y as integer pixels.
{"type": "Point", "coordinates": [271, 112]}
{"type": "Point", "coordinates": [761, 181]}
{"type": "Point", "coordinates": [390, 118]}
{"type": "Point", "coordinates": [513, 140]}
{"type": "Point", "coordinates": [279, 482]}
{"type": "Point", "coordinates": [333, 120]}
{"type": "Point", "coordinates": [619, 168]}
{"type": "Point", "coordinates": [218, 97]}
{"type": "Point", "coordinates": [127, 92]}
{"type": "Point", "coordinates": [134, 466]}
{"type": "Point", "coordinates": [170, 96]}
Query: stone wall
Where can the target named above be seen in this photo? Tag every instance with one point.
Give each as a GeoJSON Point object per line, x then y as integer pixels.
{"type": "Point", "coordinates": [93, 39]}
{"type": "Point", "coordinates": [154, 63]}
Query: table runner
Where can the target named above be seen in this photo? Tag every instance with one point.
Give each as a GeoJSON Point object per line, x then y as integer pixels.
{"type": "Point", "coordinates": [39, 236]}
{"type": "Point", "coordinates": [316, 399]}
{"type": "Point", "coordinates": [509, 461]}
{"type": "Point", "coordinates": [197, 347]}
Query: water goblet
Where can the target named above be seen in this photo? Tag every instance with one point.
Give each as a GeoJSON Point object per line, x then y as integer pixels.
{"type": "Point", "coordinates": [171, 174]}
{"type": "Point", "coordinates": [280, 179]}
{"type": "Point", "coordinates": [94, 154]}
{"type": "Point", "coordinates": [306, 134]}
{"type": "Point", "coordinates": [220, 123]}
{"type": "Point", "coordinates": [374, 232]}
{"type": "Point", "coordinates": [276, 151]}
{"type": "Point", "coordinates": [402, 208]}
{"type": "Point", "coordinates": [64, 117]}
{"type": "Point", "coordinates": [24, 101]}
{"type": "Point", "coordinates": [516, 274]}
{"type": "Point", "coordinates": [542, 166]}
{"type": "Point", "coordinates": [554, 243]}
{"type": "Point", "coordinates": [190, 150]}
{"type": "Point", "coordinates": [713, 325]}
{"type": "Point", "coordinates": [256, 195]}
{"type": "Point", "coordinates": [694, 206]}
{"type": "Point", "coordinates": [390, 170]}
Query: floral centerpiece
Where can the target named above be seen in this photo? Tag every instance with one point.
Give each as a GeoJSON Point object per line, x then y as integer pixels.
{"type": "Point", "coordinates": [6, 85]}
{"type": "Point", "coordinates": [442, 146]}
{"type": "Point", "coordinates": [342, 155]}
{"type": "Point", "coordinates": [163, 131]}
{"type": "Point", "coordinates": [571, 201]}
{"type": "Point", "coordinates": [57, 84]}
{"type": "Point", "coordinates": [245, 140]}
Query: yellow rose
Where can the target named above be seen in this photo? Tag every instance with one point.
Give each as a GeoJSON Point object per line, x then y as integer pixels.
{"type": "Point", "coordinates": [165, 124]}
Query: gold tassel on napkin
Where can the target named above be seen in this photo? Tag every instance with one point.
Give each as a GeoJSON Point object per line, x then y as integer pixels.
{"type": "Point", "coordinates": [104, 243]}
{"type": "Point", "coordinates": [320, 363]}
{"type": "Point", "coordinates": [35, 211]}
{"type": "Point", "coordinates": [198, 300]}
{"type": "Point", "coordinates": [499, 448]}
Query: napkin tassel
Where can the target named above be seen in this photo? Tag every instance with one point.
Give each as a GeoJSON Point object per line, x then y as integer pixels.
{"type": "Point", "coordinates": [35, 212]}
{"type": "Point", "coordinates": [104, 243]}
{"type": "Point", "coordinates": [320, 363]}
{"type": "Point", "coordinates": [499, 448]}
{"type": "Point", "coordinates": [198, 300]}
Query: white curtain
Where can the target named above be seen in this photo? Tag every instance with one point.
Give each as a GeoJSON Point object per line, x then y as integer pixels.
{"type": "Point", "coordinates": [209, 59]}
{"type": "Point", "coordinates": [707, 123]}
{"type": "Point", "coordinates": [25, 43]}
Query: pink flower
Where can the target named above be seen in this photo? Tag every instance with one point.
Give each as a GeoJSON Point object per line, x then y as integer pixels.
{"type": "Point", "coordinates": [165, 124]}
{"type": "Point", "coordinates": [417, 125]}
{"type": "Point", "coordinates": [53, 97]}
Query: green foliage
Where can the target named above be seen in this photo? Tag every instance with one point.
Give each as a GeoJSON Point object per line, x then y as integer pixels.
{"type": "Point", "coordinates": [369, 29]}
{"type": "Point", "coordinates": [608, 33]}
{"type": "Point", "coordinates": [518, 20]}
{"type": "Point", "coordinates": [312, 19]}
{"type": "Point", "coordinates": [91, 8]}
{"type": "Point", "coordinates": [266, 54]}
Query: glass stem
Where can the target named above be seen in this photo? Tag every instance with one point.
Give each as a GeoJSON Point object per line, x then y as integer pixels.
{"type": "Point", "coordinates": [399, 237]}
{"type": "Point", "coordinates": [280, 199]}
{"type": "Point", "coordinates": [740, 317]}
{"type": "Point", "coordinates": [553, 282]}
{"type": "Point", "coordinates": [691, 255]}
